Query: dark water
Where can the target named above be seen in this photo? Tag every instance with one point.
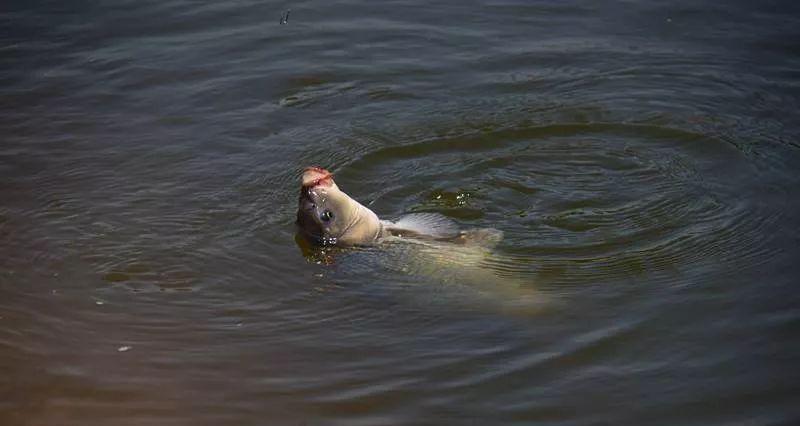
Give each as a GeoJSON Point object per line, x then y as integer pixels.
{"type": "Point", "coordinates": [642, 158]}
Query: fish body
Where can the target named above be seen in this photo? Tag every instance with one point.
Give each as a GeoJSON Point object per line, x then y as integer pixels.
{"type": "Point", "coordinates": [425, 245]}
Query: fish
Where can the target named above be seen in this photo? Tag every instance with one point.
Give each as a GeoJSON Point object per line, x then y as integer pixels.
{"type": "Point", "coordinates": [327, 216]}
{"type": "Point", "coordinates": [428, 245]}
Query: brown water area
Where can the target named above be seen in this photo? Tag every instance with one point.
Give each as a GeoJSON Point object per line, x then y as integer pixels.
{"type": "Point", "coordinates": [642, 159]}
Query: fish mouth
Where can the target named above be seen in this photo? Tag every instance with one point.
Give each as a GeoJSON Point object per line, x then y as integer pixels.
{"type": "Point", "coordinates": [306, 212]}
{"type": "Point", "coordinates": [314, 176]}
{"type": "Point", "coordinates": [316, 181]}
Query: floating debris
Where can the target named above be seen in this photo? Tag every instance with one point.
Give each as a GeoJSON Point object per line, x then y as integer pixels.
{"type": "Point", "coordinates": [124, 348]}
{"type": "Point", "coordinates": [285, 17]}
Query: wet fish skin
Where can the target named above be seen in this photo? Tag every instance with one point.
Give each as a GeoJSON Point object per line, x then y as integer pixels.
{"type": "Point", "coordinates": [328, 216]}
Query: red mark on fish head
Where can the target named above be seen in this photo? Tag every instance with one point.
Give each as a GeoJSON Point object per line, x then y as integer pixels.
{"type": "Point", "coordinates": [314, 176]}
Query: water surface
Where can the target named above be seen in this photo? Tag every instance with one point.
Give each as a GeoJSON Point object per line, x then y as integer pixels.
{"type": "Point", "coordinates": [641, 158]}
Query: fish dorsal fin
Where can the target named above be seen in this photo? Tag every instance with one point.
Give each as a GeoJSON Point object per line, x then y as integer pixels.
{"type": "Point", "coordinates": [431, 224]}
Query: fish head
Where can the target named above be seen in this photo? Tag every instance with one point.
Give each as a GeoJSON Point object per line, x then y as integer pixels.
{"type": "Point", "coordinates": [328, 216]}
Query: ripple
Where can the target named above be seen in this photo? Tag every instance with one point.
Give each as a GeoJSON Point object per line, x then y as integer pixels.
{"type": "Point", "coordinates": [592, 201]}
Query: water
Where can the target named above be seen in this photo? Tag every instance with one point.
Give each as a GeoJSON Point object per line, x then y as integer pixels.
{"type": "Point", "coordinates": [641, 158]}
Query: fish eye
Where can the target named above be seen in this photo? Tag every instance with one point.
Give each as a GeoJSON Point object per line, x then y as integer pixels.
{"type": "Point", "coordinates": [326, 215]}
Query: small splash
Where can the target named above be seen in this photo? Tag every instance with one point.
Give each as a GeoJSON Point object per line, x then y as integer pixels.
{"type": "Point", "coordinates": [458, 204]}
{"type": "Point", "coordinates": [450, 198]}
